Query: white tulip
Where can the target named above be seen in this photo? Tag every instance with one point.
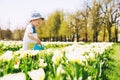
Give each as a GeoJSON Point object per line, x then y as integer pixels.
{"type": "Point", "coordinates": [15, 76]}
{"type": "Point", "coordinates": [60, 70]}
{"type": "Point", "coordinates": [42, 64]}
{"type": "Point", "coordinates": [91, 56]}
{"type": "Point", "coordinates": [89, 78]}
{"type": "Point", "coordinates": [75, 57]}
{"type": "Point", "coordinates": [33, 53]}
{"type": "Point", "coordinates": [57, 56]}
{"type": "Point", "coordinates": [16, 65]}
{"type": "Point", "coordinates": [37, 74]}
{"type": "Point", "coordinates": [23, 54]}
{"type": "Point", "coordinates": [7, 56]}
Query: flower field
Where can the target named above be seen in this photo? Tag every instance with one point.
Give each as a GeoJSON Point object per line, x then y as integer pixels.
{"type": "Point", "coordinates": [58, 61]}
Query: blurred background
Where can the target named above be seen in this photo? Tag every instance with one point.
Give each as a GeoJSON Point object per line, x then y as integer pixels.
{"type": "Point", "coordinates": [65, 20]}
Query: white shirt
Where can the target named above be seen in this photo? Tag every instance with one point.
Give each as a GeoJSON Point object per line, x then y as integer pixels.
{"type": "Point", "coordinates": [26, 39]}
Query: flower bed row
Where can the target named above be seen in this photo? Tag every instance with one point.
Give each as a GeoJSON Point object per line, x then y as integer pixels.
{"type": "Point", "coordinates": [16, 45]}
{"type": "Point", "coordinates": [76, 62]}
{"type": "Point", "coordinates": [10, 45]}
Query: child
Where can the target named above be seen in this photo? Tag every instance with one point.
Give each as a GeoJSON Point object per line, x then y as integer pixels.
{"type": "Point", "coordinates": [30, 35]}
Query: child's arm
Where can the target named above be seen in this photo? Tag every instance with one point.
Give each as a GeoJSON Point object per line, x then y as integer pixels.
{"type": "Point", "coordinates": [34, 38]}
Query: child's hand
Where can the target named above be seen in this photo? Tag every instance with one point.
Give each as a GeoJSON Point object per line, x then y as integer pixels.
{"type": "Point", "coordinates": [38, 41]}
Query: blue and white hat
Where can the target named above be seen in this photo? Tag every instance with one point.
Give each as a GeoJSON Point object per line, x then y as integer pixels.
{"type": "Point", "coordinates": [36, 15]}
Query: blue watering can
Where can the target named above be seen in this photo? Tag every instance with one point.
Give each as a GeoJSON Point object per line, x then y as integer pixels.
{"type": "Point", "coordinates": [38, 47]}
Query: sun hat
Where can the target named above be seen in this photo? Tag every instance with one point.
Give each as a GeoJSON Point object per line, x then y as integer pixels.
{"type": "Point", "coordinates": [36, 15]}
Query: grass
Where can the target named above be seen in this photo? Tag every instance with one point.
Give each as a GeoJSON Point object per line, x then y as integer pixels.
{"type": "Point", "coordinates": [113, 70]}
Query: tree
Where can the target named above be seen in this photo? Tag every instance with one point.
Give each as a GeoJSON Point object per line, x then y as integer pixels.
{"type": "Point", "coordinates": [18, 34]}
{"type": "Point", "coordinates": [8, 34]}
{"type": "Point", "coordinates": [70, 21]}
{"type": "Point", "coordinates": [111, 13]}
{"type": "Point", "coordinates": [41, 30]}
{"type": "Point", "coordinates": [64, 30]}
{"type": "Point", "coordinates": [95, 20]}
{"type": "Point", "coordinates": [85, 20]}
{"type": "Point", "coordinates": [53, 24]}
{"type": "Point", "coordinates": [75, 24]}
{"type": "Point", "coordinates": [78, 24]}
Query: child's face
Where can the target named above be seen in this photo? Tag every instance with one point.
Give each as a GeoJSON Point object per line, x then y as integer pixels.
{"type": "Point", "coordinates": [37, 22]}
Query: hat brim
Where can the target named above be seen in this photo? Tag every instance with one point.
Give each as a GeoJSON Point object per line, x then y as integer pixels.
{"type": "Point", "coordinates": [36, 18]}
